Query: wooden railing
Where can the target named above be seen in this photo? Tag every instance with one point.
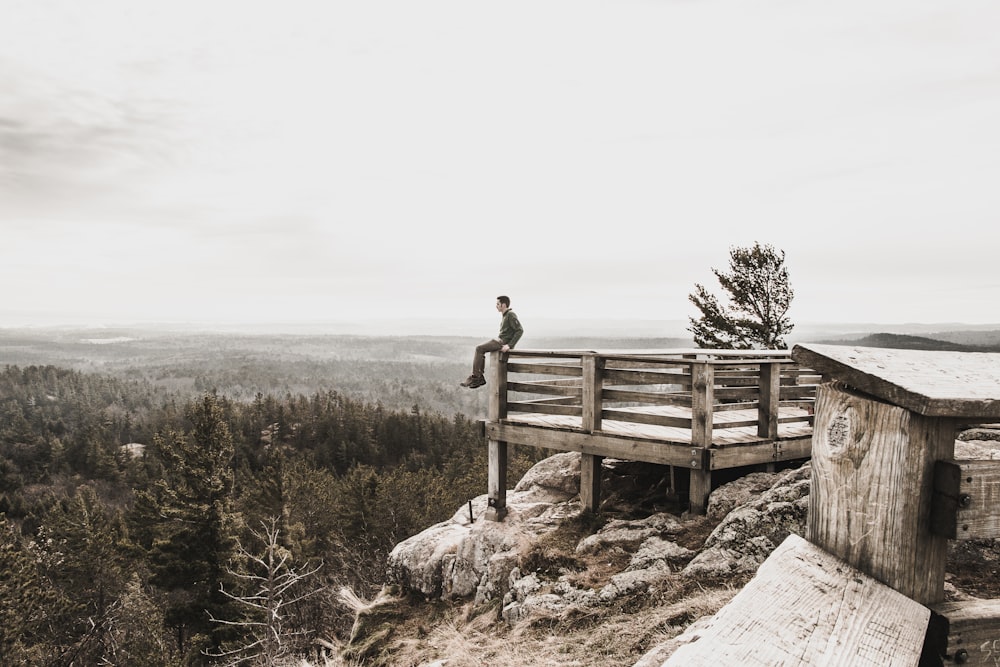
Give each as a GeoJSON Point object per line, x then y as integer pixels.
{"type": "Point", "coordinates": [685, 389]}
{"type": "Point", "coordinates": [701, 410]}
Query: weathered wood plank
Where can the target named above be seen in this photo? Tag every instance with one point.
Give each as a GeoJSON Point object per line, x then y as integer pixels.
{"type": "Point", "coordinates": [770, 400]}
{"type": "Point", "coordinates": [544, 369]}
{"type": "Point", "coordinates": [973, 631]}
{"type": "Point", "coordinates": [702, 398]}
{"type": "Point", "coordinates": [872, 486]}
{"type": "Point", "coordinates": [699, 489]}
{"type": "Point", "coordinates": [789, 449]}
{"type": "Point", "coordinates": [646, 418]}
{"type": "Point", "coordinates": [496, 479]}
{"type": "Point", "coordinates": [619, 447]}
{"type": "Point", "coordinates": [558, 400]}
{"type": "Point", "coordinates": [742, 454]}
{"type": "Point", "coordinates": [940, 384]}
{"type": "Point", "coordinates": [593, 381]}
{"type": "Point", "coordinates": [966, 502]}
{"type": "Point", "coordinates": [497, 408]}
{"type": "Point", "coordinates": [545, 388]}
{"type": "Point", "coordinates": [590, 482]}
{"type": "Point", "coordinates": [646, 376]}
{"type": "Point", "coordinates": [805, 607]}
{"type": "Point", "coordinates": [546, 408]}
{"type": "Point", "coordinates": [625, 396]}
{"type": "Point", "coordinates": [798, 391]}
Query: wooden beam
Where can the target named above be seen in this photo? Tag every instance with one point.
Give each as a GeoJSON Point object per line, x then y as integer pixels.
{"type": "Point", "coordinates": [496, 503]}
{"type": "Point", "coordinates": [545, 388]}
{"type": "Point", "coordinates": [805, 607]}
{"type": "Point", "coordinates": [630, 449]}
{"type": "Point", "coordinates": [572, 409]}
{"type": "Point", "coordinates": [930, 383]}
{"type": "Point", "coordinates": [702, 398]}
{"type": "Point", "coordinates": [766, 452]}
{"type": "Point", "coordinates": [973, 631]}
{"type": "Point", "coordinates": [593, 368]}
{"type": "Point", "coordinates": [770, 399]}
{"type": "Point", "coordinates": [639, 377]}
{"type": "Point", "coordinates": [646, 418]}
{"type": "Point", "coordinates": [545, 369]}
{"type": "Point", "coordinates": [590, 482]}
{"type": "Point", "coordinates": [496, 453]}
{"type": "Point", "coordinates": [699, 490]}
{"type": "Point", "coordinates": [872, 486]}
{"type": "Point", "coordinates": [671, 398]}
{"type": "Point", "coordinates": [966, 503]}
{"type": "Point", "coordinates": [497, 408]}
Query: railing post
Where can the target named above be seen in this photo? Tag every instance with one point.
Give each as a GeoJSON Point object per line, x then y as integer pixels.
{"type": "Point", "coordinates": [769, 384]}
{"type": "Point", "coordinates": [590, 464]}
{"type": "Point", "coordinates": [497, 449]}
{"type": "Point", "coordinates": [593, 380]}
{"type": "Point", "coordinates": [702, 402]}
{"type": "Point", "coordinates": [497, 408]}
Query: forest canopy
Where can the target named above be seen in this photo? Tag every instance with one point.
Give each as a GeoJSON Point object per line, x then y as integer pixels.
{"type": "Point", "coordinates": [132, 517]}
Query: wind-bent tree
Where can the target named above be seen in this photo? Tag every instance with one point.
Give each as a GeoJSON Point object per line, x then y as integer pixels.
{"type": "Point", "coordinates": [758, 296]}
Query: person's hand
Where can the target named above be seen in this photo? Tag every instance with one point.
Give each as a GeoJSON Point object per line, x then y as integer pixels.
{"type": "Point", "coordinates": [505, 348]}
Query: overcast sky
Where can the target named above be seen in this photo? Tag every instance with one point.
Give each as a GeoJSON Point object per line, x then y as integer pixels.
{"type": "Point", "coordinates": [313, 160]}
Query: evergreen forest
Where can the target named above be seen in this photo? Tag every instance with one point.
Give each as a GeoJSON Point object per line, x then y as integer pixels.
{"type": "Point", "coordinates": [144, 526]}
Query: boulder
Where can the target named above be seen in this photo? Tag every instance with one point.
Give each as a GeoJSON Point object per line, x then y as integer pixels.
{"type": "Point", "coordinates": [733, 494]}
{"type": "Point", "coordinates": [460, 558]}
{"type": "Point", "coordinates": [621, 533]}
{"type": "Point", "coordinates": [749, 533]}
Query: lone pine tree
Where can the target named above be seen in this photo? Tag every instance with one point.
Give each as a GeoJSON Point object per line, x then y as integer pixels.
{"type": "Point", "coordinates": [758, 294]}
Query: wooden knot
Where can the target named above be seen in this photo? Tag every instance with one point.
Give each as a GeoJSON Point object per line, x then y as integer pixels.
{"type": "Point", "coordinates": [841, 439]}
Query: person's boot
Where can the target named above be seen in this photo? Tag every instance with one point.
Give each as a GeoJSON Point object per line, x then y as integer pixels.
{"type": "Point", "coordinates": [474, 381]}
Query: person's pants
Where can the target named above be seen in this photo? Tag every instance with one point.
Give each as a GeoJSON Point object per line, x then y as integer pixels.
{"type": "Point", "coordinates": [479, 358]}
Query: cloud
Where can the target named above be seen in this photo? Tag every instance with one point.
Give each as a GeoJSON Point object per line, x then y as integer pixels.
{"type": "Point", "coordinates": [407, 157]}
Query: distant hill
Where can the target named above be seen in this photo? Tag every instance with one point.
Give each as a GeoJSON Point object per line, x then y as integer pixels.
{"type": "Point", "coordinates": [907, 342]}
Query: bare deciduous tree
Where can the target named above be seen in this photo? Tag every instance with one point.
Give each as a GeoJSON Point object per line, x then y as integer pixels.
{"type": "Point", "coordinates": [269, 587]}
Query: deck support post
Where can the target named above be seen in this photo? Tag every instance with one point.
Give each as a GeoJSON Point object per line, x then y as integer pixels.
{"type": "Point", "coordinates": [702, 400]}
{"type": "Point", "coordinates": [496, 481]}
{"type": "Point", "coordinates": [496, 501]}
{"type": "Point", "coordinates": [590, 482]}
{"type": "Point", "coordinates": [700, 489]}
{"type": "Point", "coordinates": [590, 464]}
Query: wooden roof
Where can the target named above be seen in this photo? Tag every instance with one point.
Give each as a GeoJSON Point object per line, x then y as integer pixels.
{"type": "Point", "coordinates": [935, 384]}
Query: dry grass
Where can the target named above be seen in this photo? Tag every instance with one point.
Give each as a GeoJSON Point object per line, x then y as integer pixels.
{"type": "Point", "coordinates": [614, 636]}
{"type": "Point", "coordinates": [444, 634]}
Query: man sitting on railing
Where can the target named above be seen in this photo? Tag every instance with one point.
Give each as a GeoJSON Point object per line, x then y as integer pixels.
{"type": "Point", "coordinates": [510, 332]}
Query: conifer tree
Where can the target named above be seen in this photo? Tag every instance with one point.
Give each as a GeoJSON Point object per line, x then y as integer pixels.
{"type": "Point", "coordinates": [29, 602]}
{"type": "Point", "coordinates": [758, 294]}
{"type": "Point", "coordinates": [190, 522]}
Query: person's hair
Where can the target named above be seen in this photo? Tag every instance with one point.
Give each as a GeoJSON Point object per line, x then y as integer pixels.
{"type": "Point", "coordinates": [505, 300]}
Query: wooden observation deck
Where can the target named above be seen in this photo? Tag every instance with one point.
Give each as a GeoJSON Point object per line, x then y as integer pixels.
{"type": "Point", "coordinates": [697, 410]}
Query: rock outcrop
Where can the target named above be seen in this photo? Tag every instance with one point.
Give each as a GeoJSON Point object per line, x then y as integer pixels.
{"type": "Point", "coordinates": [462, 558]}
{"type": "Point", "coordinates": [531, 567]}
{"type": "Point", "coordinates": [482, 560]}
{"type": "Point", "coordinates": [748, 534]}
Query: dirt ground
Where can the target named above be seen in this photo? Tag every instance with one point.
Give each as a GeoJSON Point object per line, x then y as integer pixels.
{"type": "Point", "coordinates": [973, 567]}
